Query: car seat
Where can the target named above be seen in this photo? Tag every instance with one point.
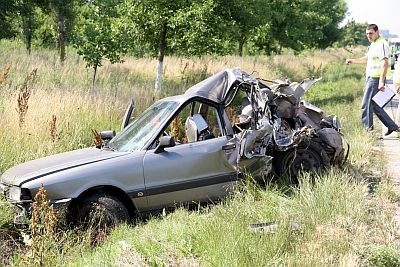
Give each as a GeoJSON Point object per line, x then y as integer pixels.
{"type": "Point", "coordinates": [197, 129]}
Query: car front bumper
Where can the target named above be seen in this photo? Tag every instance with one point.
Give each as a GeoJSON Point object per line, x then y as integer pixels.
{"type": "Point", "coordinates": [23, 210]}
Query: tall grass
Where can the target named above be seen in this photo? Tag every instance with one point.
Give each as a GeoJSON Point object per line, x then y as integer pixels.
{"type": "Point", "coordinates": [335, 227]}
{"type": "Point", "coordinates": [340, 218]}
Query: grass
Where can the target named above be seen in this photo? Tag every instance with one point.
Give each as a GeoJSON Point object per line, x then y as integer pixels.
{"type": "Point", "coordinates": [333, 217]}
{"type": "Point", "coordinates": [342, 217]}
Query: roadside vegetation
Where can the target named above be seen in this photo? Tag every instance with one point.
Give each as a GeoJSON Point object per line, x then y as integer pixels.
{"type": "Point", "coordinates": [342, 217]}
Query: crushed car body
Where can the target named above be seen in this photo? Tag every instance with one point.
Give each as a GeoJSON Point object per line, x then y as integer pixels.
{"type": "Point", "coordinates": [185, 149]}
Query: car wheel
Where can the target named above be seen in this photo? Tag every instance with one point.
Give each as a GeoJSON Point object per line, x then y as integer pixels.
{"type": "Point", "coordinates": [101, 211]}
{"type": "Point", "coordinates": [307, 156]}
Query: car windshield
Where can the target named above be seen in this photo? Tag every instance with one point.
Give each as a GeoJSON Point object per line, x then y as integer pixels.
{"type": "Point", "coordinates": [136, 135]}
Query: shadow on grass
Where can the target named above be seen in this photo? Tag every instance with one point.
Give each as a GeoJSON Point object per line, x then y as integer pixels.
{"type": "Point", "coordinates": [337, 99]}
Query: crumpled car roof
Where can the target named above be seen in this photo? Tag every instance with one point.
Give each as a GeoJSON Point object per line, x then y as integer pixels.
{"type": "Point", "coordinates": [217, 86]}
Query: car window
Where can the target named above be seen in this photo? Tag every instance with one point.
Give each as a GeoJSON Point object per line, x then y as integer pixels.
{"type": "Point", "coordinates": [194, 123]}
{"type": "Point", "coordinates": [137, 134]}
{"type": "Point", "coordinates": [238, 109]}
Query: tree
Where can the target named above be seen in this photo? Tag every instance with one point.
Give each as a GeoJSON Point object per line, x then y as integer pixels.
{"type": "Point", "coordinates": [200, 29]}
{"type": "Point", "coordinates": [182, 27]}
{"type": "Point", "coordinates": [7, 7]}
{"type": "Point", "coordinates": [243, 17]}
{"type": "Point", "coordinates": [100, 34]}
{"type": "Point", "coordinates": [282, 26]}
{"type": "Point", "coordinates": [300, 24]}
{"type": "Point", "coordinates": [26, 9]}
{"type": "Point", "coordinates": [326, 16]}
{"type": "Point", "coordinates": [353, 34]}
{"type": "Point", "coordinates": [154, 26]}
{"type": "Point", "coordinates": [63, 17]}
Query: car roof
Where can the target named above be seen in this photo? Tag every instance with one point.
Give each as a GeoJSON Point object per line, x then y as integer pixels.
{"type": "Point", "coordinates": [216, 87]}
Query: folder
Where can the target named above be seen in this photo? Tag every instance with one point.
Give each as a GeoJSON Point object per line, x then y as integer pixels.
{"type": "Point", "coordinates": [383, 97]}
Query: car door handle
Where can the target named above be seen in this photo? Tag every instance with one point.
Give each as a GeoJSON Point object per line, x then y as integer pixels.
{"type": "Point", "coordinates": [229, 147]}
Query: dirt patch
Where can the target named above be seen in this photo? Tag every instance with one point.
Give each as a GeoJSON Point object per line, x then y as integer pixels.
{"type": "Point", "coordinates": [130, 257]}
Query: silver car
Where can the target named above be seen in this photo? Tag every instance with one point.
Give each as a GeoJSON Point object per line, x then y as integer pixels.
{"type": "Point", "coordinates": [184, 149]}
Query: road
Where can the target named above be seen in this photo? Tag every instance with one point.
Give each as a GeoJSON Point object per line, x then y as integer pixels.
{"type": "Point", "coordinates": [391, 146]}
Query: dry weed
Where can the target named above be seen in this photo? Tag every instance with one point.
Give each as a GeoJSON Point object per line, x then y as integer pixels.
{"type": "Point", "coordinates": [4, 75]}
{"type": "Point", "coordinates": [43, 230]}
{"type": "Point", "coordinates": [98, 142]}
{"type": "Point", "coordinates": [53, 128]}
{"type": "Point", "coordinates": [24, 95]}
{"type": "Point", "coordinates": [176, 129]}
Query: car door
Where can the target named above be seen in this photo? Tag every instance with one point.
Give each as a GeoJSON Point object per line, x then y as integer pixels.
{"type": "Point", "coordinates": [200, 170]}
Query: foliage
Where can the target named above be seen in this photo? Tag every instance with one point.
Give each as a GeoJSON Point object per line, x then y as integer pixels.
{"type": "Point", "coordinates": [244, 17]}
{"type": "Point", "coordinates": [325, 21]}
{"type": "Point", "coordinates": [63, 17]}
{"type": "Point", "coordinates": [193, 27]}
{"type": "Point", "coordinates": [384, 256]}
{"type": "Point", "coordinates": [7, 9]}
{"type": "Point", "coordinates": [353, 34]}
{"type": "Point", "coordinates": [100, 34]}
{"type": "Point", "coordinates": [45, 34]}
{"type": "Point", "coordinates": [107, 30]}
{"type": "Point", "coordinates": [199, 30]}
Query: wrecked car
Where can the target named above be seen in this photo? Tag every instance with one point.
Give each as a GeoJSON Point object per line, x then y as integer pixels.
{"type": "Point", "coordinates": [184, 149]}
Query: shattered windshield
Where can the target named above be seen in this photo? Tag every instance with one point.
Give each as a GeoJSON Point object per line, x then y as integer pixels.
{"type": "Point", "coordinates": [139, 132]}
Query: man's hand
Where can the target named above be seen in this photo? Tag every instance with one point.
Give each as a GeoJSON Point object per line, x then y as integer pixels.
{"type": "Point", "coordinates": [350, 61]}
{"type": "Point", "coordinates": [381, 85]}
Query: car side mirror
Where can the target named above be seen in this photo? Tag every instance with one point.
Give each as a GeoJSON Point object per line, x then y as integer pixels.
{"type": "Point", "coordinates": [165, 141]}
{"type": "Point", "coordinates": [107, 135]}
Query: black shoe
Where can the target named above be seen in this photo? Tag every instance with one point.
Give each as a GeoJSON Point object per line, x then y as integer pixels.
{"type": "Point", "coordinates": [391, 131]}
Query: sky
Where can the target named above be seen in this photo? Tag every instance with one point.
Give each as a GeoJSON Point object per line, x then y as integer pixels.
{"type": "Point", "coordinates": [384, 13]}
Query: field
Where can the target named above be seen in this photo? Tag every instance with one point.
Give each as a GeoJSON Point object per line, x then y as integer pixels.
{"type": "Point", "coordinates": [340, 218]}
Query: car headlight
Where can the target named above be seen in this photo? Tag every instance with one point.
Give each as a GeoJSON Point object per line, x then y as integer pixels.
{"type": "Point", "coordinates": [17, 193]}
{"type": "Point", "coordinates": [3, 188]}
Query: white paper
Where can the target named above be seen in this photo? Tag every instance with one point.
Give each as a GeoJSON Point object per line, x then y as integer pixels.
{"type": "Point", "coordinates": [383, 97]}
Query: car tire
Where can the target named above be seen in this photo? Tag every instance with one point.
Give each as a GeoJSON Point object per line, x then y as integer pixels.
{"type": "Point", "coordinates": [101, 211]}
{"type": "Point", "coordinates": [307, 156]}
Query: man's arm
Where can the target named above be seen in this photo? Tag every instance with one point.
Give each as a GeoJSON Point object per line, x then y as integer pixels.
{"type": "Point", "coordinates": [382, 78]}
{"type": "Point", "coordinates": [357, 60]}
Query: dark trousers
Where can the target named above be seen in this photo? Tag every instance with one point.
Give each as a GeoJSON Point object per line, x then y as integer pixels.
{"type": "Point", "coordinates": [368, 107]}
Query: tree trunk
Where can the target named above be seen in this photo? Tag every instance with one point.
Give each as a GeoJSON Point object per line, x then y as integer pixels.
{"type": "Point", "coordinates": [94, 75]}
{"type": "Point", "coordinates": [61, 37]}
{"type": "Point", "coordinates": [161, 51]}
{"type": "Point", "coordinates": [27, 25]}
{"type": "Point", "coordinates": [61, 30]}
{"type": "Point", "coordinates": [242, 40]}
{"type": "Point", "coordinates": [28, 32]}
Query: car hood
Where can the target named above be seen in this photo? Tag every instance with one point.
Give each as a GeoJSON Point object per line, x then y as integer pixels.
{"type": "Point", "coordinates": [33, 169]}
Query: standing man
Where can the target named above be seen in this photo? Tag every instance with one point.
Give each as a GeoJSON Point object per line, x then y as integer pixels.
{"type": "Point", "coordinates": [377, 67]}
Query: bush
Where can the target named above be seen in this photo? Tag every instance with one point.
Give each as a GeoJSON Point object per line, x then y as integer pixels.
{"type": "Point", "coordinates": [384, 256]}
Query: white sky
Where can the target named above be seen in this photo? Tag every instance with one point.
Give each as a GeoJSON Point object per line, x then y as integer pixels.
{"type": "Point", "coordinates": [384, 13]}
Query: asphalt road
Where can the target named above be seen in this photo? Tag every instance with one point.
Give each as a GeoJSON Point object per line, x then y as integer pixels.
{"type": "Point", "coordinates": [391, 147]}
